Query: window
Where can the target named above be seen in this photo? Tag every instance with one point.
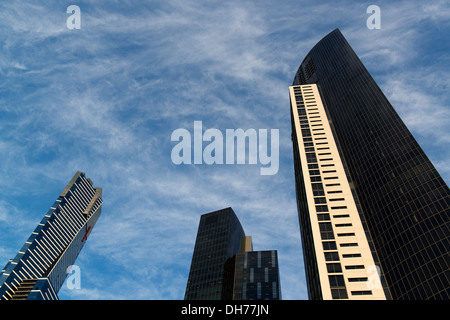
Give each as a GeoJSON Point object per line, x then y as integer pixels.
{"type": "Point", "coordinates": [348, 245]}
{"type": "Point", "coordinates": [327, 235]}
{"type": "Point", "coordinates": [333, 192]}
{"type": "Point", "coordinates": [337, 199]}
{"type": "Point", "coordinates": [274, 289]}
{"type": "Point", "coordinates": [337, 208]}
{"type": "Point", "coordinates": [341, 216]}
{"type": "Point", "coordinates": [326, 232]}
{"type": "Point", "coordinates": [318, 189]}
{"type": "Point", "coordinates": [329, 245]}
{"type": "Point", "coordinates": [362, 293]}
{"type": "Point", "coordinates": [339, 294]}
{"type": "Point", "coordinates": [323, 217]}
{"type": "Point", "coordinates": [322, 208]}
{"type": "Point", "coordinates": [332, 256]}
{"type": "Point", "coordinates": [352, 255]}
{"type": "Point", "coordinates": [314, 172]}
{"type": "Point", "coordinates": [358, 267]}
{"type": "Point", "coordinates": [325, 226]}
{"type": "Point", "coordinates": [317, 186]}
{"type": "Point", "coordinates": [334, 267]}
{"type": "Point", "coordinates": [306, 132]}
{"type": "Point", "coordinates": [320, 200]}
{"type": "Point", "coordinates": [336, 281]}
{"type": "Point", "coordinates": [344, 225]}
{"type": "Point", "coordinates": [357, 279]}
{"type": "Point", "coordinates": [311, 157]}
{"type": "Point", "coordinates": [318, 193]}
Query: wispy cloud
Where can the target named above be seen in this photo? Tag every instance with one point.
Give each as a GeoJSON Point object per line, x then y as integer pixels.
{"type": "Point", "coordinates": [106, 98]}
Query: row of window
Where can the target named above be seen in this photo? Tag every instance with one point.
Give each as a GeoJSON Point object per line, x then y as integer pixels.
{"type": "Point", "coordinates": [54, 234]}
{"type": "Point", "coordinates": [337, 283]}
{"type": "Point", "coordinates": [314, 141]}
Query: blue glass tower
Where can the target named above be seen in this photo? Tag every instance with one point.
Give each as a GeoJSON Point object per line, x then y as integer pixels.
{"type": "Point", "coordinates": [39, 269]}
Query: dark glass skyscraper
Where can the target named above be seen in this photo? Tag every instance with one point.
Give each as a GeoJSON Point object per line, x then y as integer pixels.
{"type": "Point", "coordinates": [219, 237]}
{"type": "Point", "coordinates": [224, 265]}
{"type": "Point", "coordinates": [403, 201]}
{"type": "Point", "coordinates": [39, 269]}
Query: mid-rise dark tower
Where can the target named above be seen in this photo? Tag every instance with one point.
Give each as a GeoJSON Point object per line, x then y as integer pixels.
{"type": "Point", "coordinates": [224, 265]}
{"type": "Point", "coordinates": [403, 201]}
{"type": "Point", "coordinates": [219, 237]}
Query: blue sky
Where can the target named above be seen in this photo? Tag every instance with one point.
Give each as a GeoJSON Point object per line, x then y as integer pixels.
{"type": "Point", "coordinates": [106, 98]}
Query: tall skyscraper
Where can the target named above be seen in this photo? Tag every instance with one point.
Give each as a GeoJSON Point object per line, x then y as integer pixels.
{"type": "Point", "coordinates": [402, 201]}
{"type": "Point", "coordinates": [39, 269]}
{"type": "Point", "coordinates": [224, 265]}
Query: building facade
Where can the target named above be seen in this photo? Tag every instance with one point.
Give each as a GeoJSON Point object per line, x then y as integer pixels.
{"type": "Point", "coordinates": [252, 275]}
{"type": "Point", "coordinates": [39, 269]}
{"type": "Point", "coordinates": [338, 258]}
{"type": "Point", "coordinates": [403, 202]}
{"type": "Point", "coordinates": [219, 237]}
{"type": "Point", "coordinates": [224, 265]}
